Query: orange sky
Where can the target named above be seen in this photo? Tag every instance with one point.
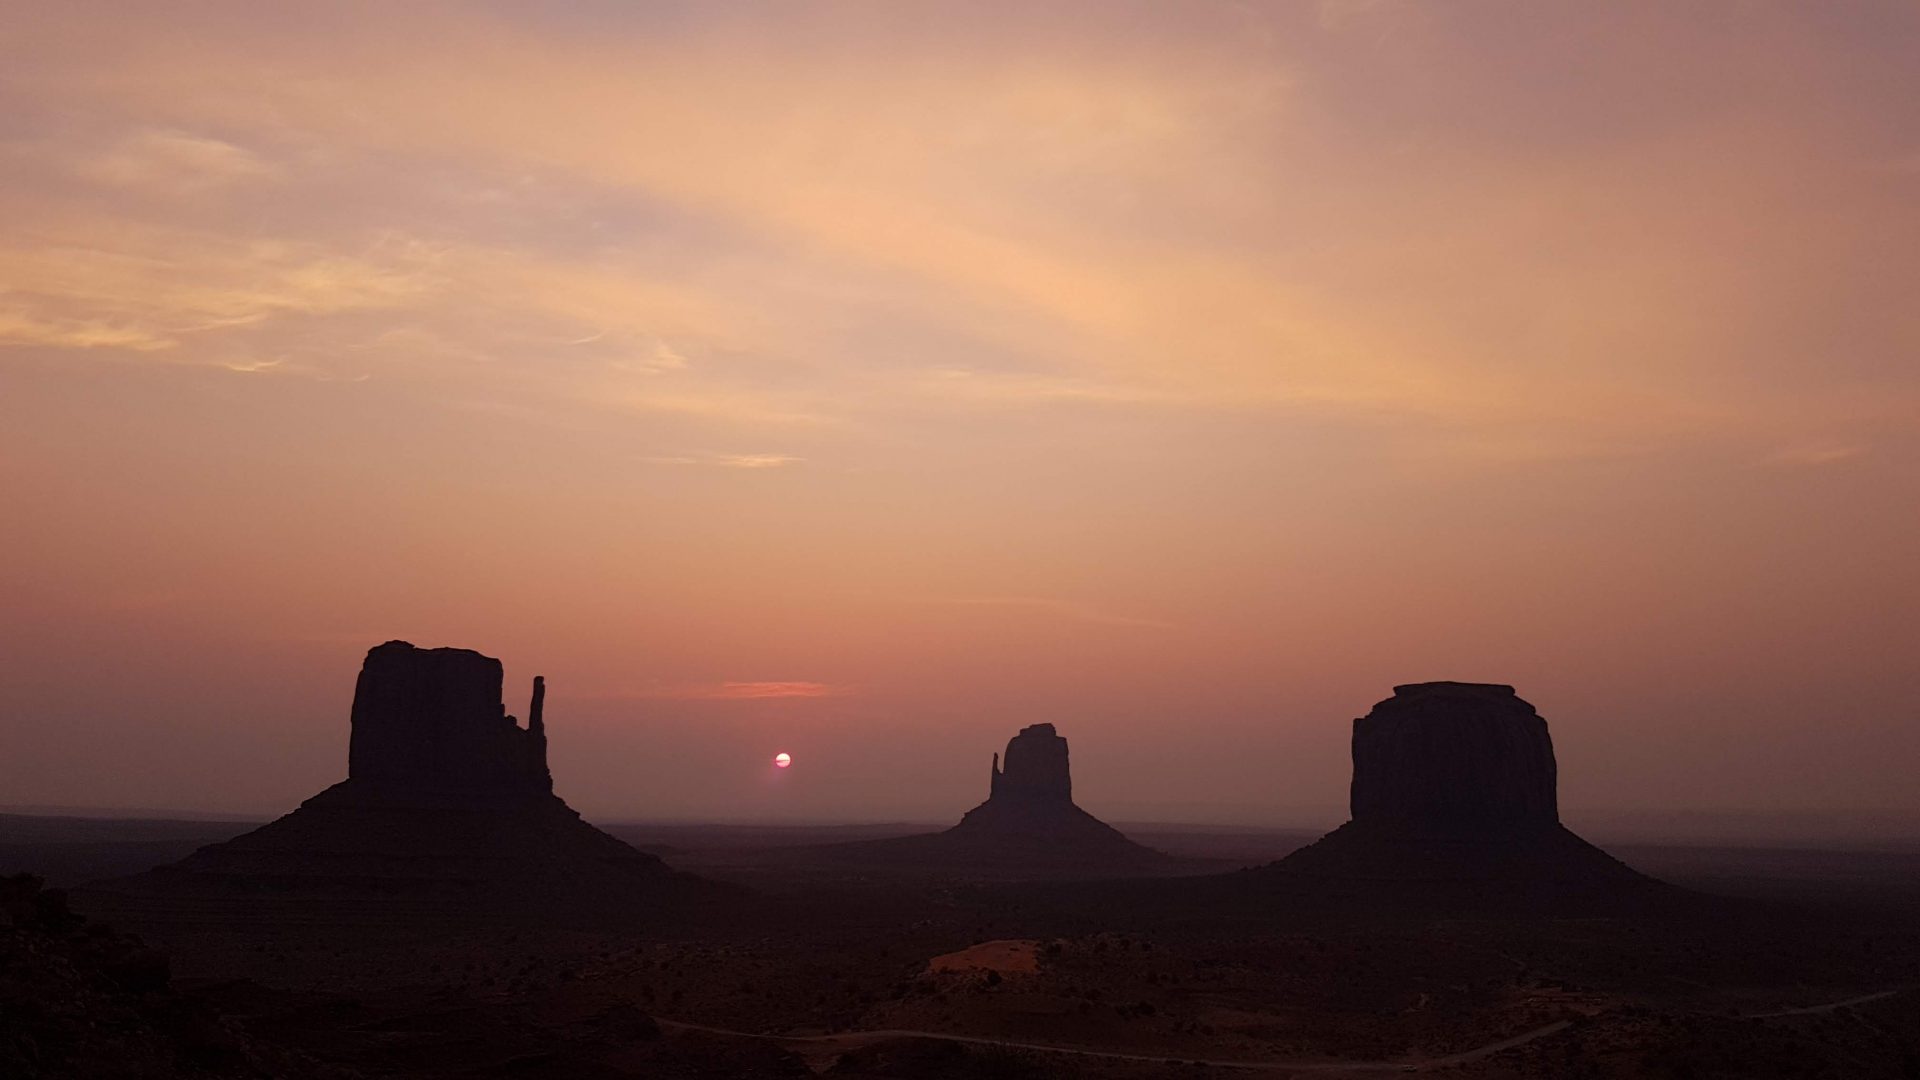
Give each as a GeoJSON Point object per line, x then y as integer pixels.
{"type": "Point", "coordinates": [869, 380]}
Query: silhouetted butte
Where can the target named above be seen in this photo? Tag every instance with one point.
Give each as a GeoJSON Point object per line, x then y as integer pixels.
{"type": "Point", "coordinates": [1030, 799]}
{"type": "Point", "coordinates": [1029, 826]}
{"type": "Point", "coordinates": [446, 794]}
{"type": "Point", "coordinates": [1455, 782]}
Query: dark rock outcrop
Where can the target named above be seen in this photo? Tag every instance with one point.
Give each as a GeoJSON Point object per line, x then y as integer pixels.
{"type": "Point", "coordinates": [1029, 827]}
{"type": "Point", "coordinates": [1031, 798]}
{"type": "Point", "coordinates": [446, 796]}
{"type": "Point", "coordinates": [432, 721]}
{"type": "Point", "coordinates": [1455, 783]}
{"type": "Point", "coordinates": [1454, 757]}
{"type": "Point", "coordinates": [79, 999]}
{"type": "Point", "coordinates": [1036, 771]}
{"type": "Point", "coordinates": [1030, 809]}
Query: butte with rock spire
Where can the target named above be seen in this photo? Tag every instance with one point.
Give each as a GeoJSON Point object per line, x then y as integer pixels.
{"type": "Point", "coordinates": [1028, 827]}
{"type": "Point", "coordinates": [446, 795]}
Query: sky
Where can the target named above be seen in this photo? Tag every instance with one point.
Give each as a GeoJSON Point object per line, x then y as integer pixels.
{"type": "Point", "coordinates": [868, 380]}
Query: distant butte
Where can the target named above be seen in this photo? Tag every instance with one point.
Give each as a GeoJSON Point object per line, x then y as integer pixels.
{"type": "Point", "coordinates": [445, 795]}
{"type": "Point", "coordinates": [1029, 827]}
{"type": "Point", "coordinates": [1030, 800]}
{"type": "Point", "coordinates": [1455, 782]}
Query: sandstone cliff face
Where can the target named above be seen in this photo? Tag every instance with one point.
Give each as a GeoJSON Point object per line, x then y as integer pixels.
{"type": "Point", "coordinates": [1455, 787]}
{"type": "Point", "coordinates": [1028, 829]}
{"type": "Point", "coordinates": [1036, 769]}
{"type": "Point", "coordinates": [1454, 758]}
{"type": "Point", "coordinates": [446, 795]}
{"type": "Point", "coordinates": [430, 722]}
{"type": "Point", "coordinates": [1030, 807]}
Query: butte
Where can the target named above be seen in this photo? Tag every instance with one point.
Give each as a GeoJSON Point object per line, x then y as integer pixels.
{"type": "Point", "coordinates": [1455, 794]}
{"type": "Point", "coordinates": [447, 798]}
{"type": "Point", "coordinates": [1029, 827]}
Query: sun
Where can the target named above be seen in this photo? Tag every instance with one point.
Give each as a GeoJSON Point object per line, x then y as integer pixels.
{"type": "Point", "coordinates": [782, 759]}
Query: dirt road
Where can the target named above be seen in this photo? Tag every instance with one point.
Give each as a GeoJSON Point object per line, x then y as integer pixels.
{"type": "Point", "coordinates": [851, 1039]}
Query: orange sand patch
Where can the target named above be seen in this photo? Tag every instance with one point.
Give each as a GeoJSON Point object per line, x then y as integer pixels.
{"type": "Point", "coordinates": [1005, 957]}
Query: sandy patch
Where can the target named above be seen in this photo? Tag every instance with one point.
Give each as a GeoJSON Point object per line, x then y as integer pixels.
{"type": "Point", "coordinates": [1006, 957]}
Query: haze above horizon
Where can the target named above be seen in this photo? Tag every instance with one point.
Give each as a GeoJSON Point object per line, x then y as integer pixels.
{"type": "Point", "coordinates": [868, 382]}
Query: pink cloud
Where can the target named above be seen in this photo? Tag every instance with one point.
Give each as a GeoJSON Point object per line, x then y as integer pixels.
{"type": "Point", "coordinates": [735, 691]}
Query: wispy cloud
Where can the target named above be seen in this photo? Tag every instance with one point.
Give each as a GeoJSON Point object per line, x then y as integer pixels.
{"type": "Point", "coordinates": [731, 691]}
{"type": "Point", "coordinates": [658, 359]}
{"type": "Point", "coordinates": [283, 367]}
{"type": "Point", "coordinates": [173, 162]}
{"type": "Point", "coordinates": [727, 461]}
{"type": "Point", "coordinates": [1817, 453]}
{"type": "Point", "coordinates": [20, 327]}
{"type": "Point", "coordinates": [757, 461]}
{"type": "Point", "coordinates": [1070, 226]}
{"type": "Point", "coordinates": [146, 288]}
{"type": "Point", "coordinates": [250, 367]}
